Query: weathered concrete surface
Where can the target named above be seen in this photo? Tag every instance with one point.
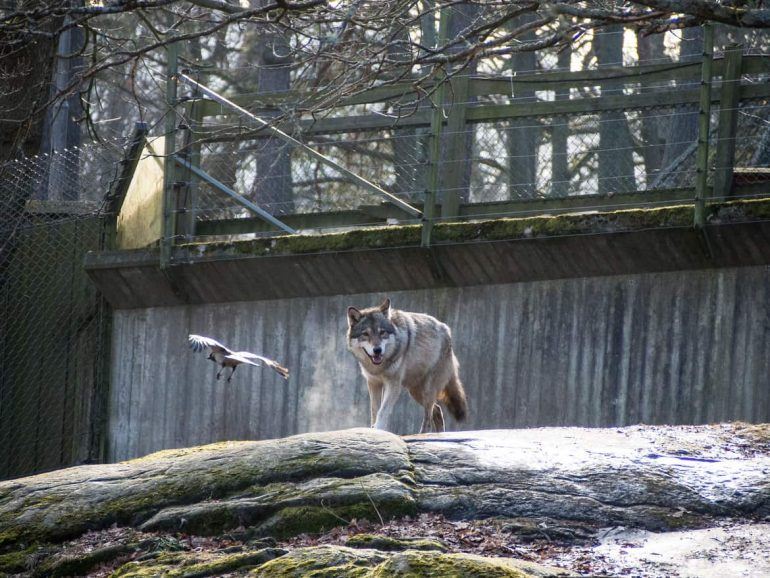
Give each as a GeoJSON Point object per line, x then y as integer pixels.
{"type": "Point", "coordinates": [467, 253]}
{"type": "Point", "coordinates": [646, 477]}
{"type": "Point", "coordinates": [684, 347]}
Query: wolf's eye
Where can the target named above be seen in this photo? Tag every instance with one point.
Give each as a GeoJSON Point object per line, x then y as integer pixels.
{"type": "Point", "coordinates": [383, 334]}
{"type": "Point", "coordinates": [366, 333]}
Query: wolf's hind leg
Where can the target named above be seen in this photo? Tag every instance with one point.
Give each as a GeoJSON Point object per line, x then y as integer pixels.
{"type": "Point", "coordinates": [438, 418]}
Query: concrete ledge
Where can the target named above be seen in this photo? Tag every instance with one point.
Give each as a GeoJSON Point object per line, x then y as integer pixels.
{"type": "Point", "coordinates": [471, 253]}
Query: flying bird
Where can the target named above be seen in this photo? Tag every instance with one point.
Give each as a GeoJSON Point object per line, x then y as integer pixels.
{"type": "Point", "coordinates": [224, 357]}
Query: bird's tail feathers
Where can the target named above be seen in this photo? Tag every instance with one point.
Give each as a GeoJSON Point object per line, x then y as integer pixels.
{"type": "Point", "coordinates": [280, 369]}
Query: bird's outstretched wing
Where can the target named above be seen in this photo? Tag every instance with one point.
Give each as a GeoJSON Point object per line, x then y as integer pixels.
{"type": "Point", "coordinates": [241, 359]}
{"type": "Point", "coordinates": [277, 367]}
{"type": "Point", "coordinates": [199, 343]}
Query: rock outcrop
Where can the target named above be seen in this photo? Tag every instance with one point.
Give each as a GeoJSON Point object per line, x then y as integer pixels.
{"type": "Point", "coordinates": [652, 478]}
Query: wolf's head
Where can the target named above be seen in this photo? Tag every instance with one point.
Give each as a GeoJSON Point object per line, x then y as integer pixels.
{"type": "Point", "coordinates": [371, 332]}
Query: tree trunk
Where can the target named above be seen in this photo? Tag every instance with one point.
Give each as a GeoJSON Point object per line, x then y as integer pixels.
{"type": "Point", "coordinates": [560, 173]}
{"type": "Point", "coordinates": [272, 186]}
{"type": "Point", "coordinates": [616, 161]}
{"type": "Point", "coordinates": [457, 142]}
{"type": "Point", "coordinates": [683, 125]}
{"type": "Point", "coordinates": [523, 135]}
{"type": "Point", "coordinates": [409, 148]}
{"type": "Point", "coordinates": [650, 50]}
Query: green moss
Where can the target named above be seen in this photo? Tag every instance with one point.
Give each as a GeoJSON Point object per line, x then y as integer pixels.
{"type": "Point", "coordinates": [414, 564]}
{"type": "Point", "coordinates": [388, 544]}
{"type": "Point", "coordinates": [564, 224]}
{"type": "Point", "coordinates": [17, 561]}
{"type": "Point", "coordinates": [190, 566]}
{"type": "Point", "coordinates": [80, 565]}
{"type": "Point", "coordinates": [293, 521]}
{"type": "Point", "coordinates": [10, 537]}
{"type": "Point", "coordinates": [741, 210]}
{"type": "Point", "coordinates": [188, 451]}
{"type": "Point", "coordinates": [373, 237]}
{"type": "Point", "coordinates": [156, 565]}
{"type": "Point", "coordinates": [342, 562]}
{"type": "Point", "coordinates": [489, 229]}
{"type": "Point", "coordinates": [322, 562]}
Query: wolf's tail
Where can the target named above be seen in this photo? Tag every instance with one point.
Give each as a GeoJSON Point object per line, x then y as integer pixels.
{"type": "Point", "coordinates": [453, 396]}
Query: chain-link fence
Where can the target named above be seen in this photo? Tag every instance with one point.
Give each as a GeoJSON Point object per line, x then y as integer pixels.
{"type": "Point", "coordinates": [617, 154]}
{"type": "Point", "coordinates": [53, 330]}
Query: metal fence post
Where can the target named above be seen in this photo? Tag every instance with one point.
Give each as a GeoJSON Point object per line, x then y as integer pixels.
{"type": "Point", "coordinates": [169, 166]}
{"type": "Point", "coordinates": [704, 117]}
{"type": "Point", "coordinates": [729, 98]}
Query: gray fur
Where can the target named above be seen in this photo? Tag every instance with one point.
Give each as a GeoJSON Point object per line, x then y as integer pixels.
{"type": "Point", "coordinates": [416, 355]}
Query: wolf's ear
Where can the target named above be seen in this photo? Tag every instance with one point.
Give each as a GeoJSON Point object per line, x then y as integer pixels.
{"type": "Point", "coordinates": [354, 316]}
{"type": "Point", "coordinates": [385, 307]}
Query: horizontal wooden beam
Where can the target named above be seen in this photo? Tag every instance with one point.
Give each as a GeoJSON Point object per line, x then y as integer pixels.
{"type": "Point", "coordinates": [480, 86]}
{"type": "Point", "coordinates": [492, 112]}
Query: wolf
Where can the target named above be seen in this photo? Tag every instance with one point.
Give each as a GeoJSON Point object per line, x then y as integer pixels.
{"type": "Point", "coordinates": [399, 349]}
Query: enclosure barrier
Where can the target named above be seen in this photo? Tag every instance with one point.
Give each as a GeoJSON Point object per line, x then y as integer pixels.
{"type": "Point", "coordinates": [480, 147]}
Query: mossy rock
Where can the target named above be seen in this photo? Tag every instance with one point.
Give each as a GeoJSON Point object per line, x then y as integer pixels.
{"type": "Point", "coordinates": [344, 562]}
{"type": "Point", "coordinates": [287, 509]}
{"type": "Point", "coordinates": [18, 561]}
{"type": "Point", "coordinates": [188, 565]}
{"type": "Point", "coordinates": [56, 506]}
{"type": "Point", "coordinates": [82, 564]}
{"type": "Point", "coordinates": [323, 562]}
{"type": "Point", "coordinates": [389, 544]}
{"type": "Point", "coordinates": [416, 564]}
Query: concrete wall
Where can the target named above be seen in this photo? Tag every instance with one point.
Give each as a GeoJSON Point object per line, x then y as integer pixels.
{"type": "Point", "coordinates": [682, 347]}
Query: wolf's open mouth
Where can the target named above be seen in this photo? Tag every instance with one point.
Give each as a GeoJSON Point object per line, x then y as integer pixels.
{"type": "Point", "coordinates": [376, 358]}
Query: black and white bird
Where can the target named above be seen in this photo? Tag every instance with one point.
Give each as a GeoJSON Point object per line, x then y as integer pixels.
{"type": "Point", "coordinates": [224, 357]}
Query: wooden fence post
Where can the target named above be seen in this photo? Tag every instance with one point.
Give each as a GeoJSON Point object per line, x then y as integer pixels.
{"type": "Point", "coordinates": [729, 99]}
{"type": "Point", "coordinates": [436, 126]}
{"type": "Point", "coordinates": [434, 176]}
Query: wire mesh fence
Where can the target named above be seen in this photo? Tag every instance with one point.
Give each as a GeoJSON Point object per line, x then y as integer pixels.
{"type": "Point", "coordinates": [53, 335]}
{"type": "Point", "coordinates": [617, 153]}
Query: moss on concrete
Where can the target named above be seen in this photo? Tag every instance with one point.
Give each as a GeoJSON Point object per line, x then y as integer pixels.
{"type": "Point", "coordinates": [489, 229]}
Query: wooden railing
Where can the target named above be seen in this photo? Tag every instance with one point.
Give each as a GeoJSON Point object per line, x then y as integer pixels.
{"type": "Point", "coordinates": [720, 82]}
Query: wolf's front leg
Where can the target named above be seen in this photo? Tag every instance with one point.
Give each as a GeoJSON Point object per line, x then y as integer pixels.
{"type": "Point", "coordinates": [390, 393]}
{"type": "Point", "coordinates": [375, 398]}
